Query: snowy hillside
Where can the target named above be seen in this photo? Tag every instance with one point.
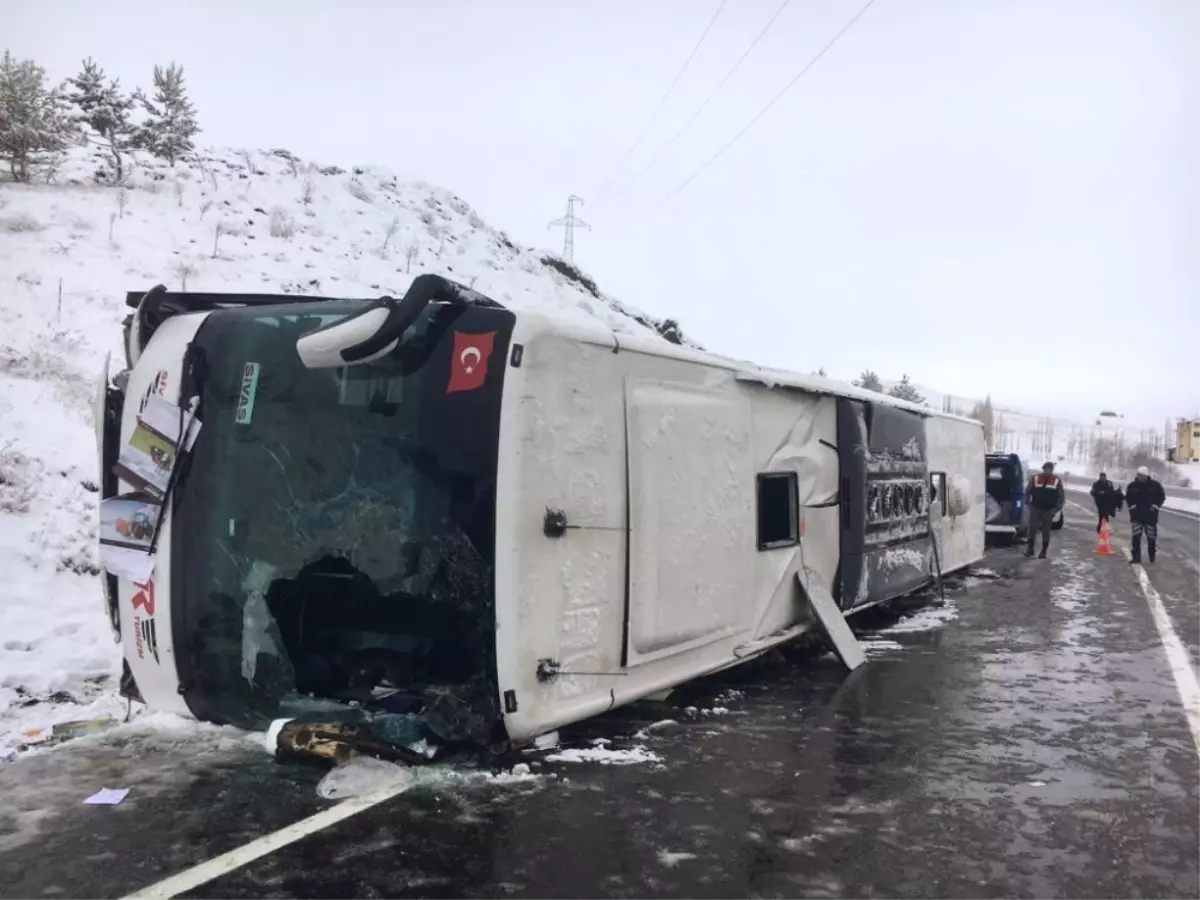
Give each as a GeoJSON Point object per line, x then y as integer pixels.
{"type": "Point", "coordinates": [256, 222]}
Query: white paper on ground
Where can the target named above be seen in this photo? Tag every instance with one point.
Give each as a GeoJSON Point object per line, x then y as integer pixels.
{"type": "Point", "coordinates": [107, 797]}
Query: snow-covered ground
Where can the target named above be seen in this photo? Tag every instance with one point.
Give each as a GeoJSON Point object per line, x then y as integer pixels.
{"type": "Point", "coordinates": [230, 221]}
{"type": "Point", "coordinates": [1185, 504]}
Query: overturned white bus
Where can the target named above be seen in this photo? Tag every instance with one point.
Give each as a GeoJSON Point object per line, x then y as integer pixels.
{"type": "Point", "coordinates": [440, 506]}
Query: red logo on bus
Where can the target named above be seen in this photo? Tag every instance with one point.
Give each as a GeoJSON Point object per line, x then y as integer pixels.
{"type": "Point", "coordinates": [145, 597]}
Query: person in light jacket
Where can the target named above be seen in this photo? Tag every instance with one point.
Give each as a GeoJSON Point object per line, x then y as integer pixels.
{"type": "Point", "coordinates": [1044, 496]}
{"type": "Point", "coordinates": [1144, 497]}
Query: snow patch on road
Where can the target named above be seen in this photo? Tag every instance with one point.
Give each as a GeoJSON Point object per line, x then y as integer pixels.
{"type": "Point", "coordinates": [878, 646]}
{"type": "Point", "coordinates": [696, 712]}
{"type": "Point", "coordinates": [656, 728]}
{"type": "Point", "coordinates": [1073, 593]}
{"type": "Point", "coordinates": [365, 775]}
{"type": "Point", "coordinates": [671, 859]}
{"type": "Point", "coordinates": [604, 756]}
{"type": "Point", "coordinates": [926, 619]}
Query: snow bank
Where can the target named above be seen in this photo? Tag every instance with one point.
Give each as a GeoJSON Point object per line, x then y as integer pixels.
{"type": "Point", "coordinates": [1184, 504]}
{"type": "Point", "coordinates": [69, 253]}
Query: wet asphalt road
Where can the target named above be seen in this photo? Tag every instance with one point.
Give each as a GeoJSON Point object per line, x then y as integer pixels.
{"type": "Point", "coordinates": [1034, 746]}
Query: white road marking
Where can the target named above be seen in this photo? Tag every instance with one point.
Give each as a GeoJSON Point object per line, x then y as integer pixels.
{"type": "Point", "coordinates": [1082, 508]}
{"type": "Point", "coordinates": [192, 878]}
{"type": "Point", "coordinates": [1177, 656]}
{"type": "Point", "coordinates": [1181, 513]}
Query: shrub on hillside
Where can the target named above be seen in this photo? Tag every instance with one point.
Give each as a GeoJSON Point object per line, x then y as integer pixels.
{"type": "Point", "coordinates": [281, 223]}
{"type": "Point", "coordinates": [16, 480]}
{"type": "Point", "coordinates": [359, 191]}
{"type": "Point", "coordinates": [21, 222]}
{"type": "Point", "coordinates": [569, 272]}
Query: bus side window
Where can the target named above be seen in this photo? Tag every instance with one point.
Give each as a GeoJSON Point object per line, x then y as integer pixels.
{"type": "Point", "coordinates": [937, 491]}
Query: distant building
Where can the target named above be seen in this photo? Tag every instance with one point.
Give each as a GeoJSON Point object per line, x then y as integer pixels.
{"type": "Point", "coordinates": [1187, 441]}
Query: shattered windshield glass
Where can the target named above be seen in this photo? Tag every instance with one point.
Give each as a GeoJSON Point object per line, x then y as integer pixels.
{"type": "Point", "coordinates": [334, 535]}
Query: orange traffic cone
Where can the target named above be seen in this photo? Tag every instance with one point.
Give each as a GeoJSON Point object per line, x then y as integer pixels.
{"type": "Point", "coordinates": [1103, 547]}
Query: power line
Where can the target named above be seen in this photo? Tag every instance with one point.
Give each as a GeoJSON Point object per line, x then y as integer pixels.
{"type": "Point", "coordinates": [703, 106]}
{"type": "Point", "coordinates": [662, 103]}
{"type": "Point", "coordinates": [762, 112]}
{"type": "Point", "coordinates": [570, 222]}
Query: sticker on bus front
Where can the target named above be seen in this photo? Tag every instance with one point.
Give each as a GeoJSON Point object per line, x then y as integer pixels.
{"type": "Point", "coordinates": [245, 406]}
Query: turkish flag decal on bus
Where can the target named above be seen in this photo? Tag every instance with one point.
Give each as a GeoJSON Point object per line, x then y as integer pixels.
{"type": "Point", "coordinates": [469, 360]}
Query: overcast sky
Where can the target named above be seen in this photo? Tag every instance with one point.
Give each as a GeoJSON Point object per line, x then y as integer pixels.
{"type": "Point", "coordinates": [991, 195]}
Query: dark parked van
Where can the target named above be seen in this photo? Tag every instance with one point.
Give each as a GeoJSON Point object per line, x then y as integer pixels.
{"type": "Point", "coordinates": [1006, 478]}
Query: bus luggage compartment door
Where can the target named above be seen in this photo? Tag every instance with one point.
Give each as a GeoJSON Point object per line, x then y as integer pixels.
{"type": "Point", "coordinates": [852, 485]}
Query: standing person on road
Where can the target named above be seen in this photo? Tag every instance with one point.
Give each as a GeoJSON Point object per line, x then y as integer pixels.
{"type": "Point", "coordinates": [1144, 497]}
{"type": "Point", "coordinates": [1105, 496]}
{"type": "Point", "coordinates": [1045, 496]}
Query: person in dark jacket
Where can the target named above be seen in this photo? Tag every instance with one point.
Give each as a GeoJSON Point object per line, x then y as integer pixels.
{"type": "Point", "coordinates": [1144, 497]}
{"type": "Point", "coordinates": [1045, 496]}
{"type": "Point", "coordinates": [1105, 495]}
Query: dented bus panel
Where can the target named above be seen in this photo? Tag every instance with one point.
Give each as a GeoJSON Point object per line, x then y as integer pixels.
{"type": "Point", "coordinates": [496, 523]}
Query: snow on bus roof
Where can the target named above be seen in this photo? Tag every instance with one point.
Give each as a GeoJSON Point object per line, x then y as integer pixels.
{"type": "Point", "coordinates": [743, 370]}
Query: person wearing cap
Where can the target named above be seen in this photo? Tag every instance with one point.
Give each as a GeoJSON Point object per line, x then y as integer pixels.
{"type": "Point", "coordinates": [1144, 497]}
{"type": "Point", "coordinates": [1106, 497]}
{"type": "Point", "coordinates": [1045, 496]}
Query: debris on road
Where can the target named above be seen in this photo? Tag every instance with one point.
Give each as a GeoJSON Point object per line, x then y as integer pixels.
{"type": "Point", "coordinates": [55, 734]}
{"type": "Point", "coordinates": [107, 797]}
{"type": "Point", "coordinates": [389, 737]}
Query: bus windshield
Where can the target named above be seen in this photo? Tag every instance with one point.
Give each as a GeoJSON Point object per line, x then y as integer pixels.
{"type": "Point", "coordinates": [333, 534]}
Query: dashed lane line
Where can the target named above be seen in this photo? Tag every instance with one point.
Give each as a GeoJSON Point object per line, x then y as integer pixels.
{"type": "Point", "coordinates": [192, 878]}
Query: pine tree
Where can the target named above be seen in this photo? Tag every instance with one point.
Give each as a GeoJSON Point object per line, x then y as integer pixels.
{"type": "Point", "coordinates": [821, 372]}
{"type": "Point", "coordinates": [869, 381]}
{"type": "Point", "coordinates": [34, 125]}
{"type": "Point", "coordinates": [904, 390]}
{"type": "Point", "coordinates": [171, 124]}
{"type": "Point", "coordinates": [105, 110]}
